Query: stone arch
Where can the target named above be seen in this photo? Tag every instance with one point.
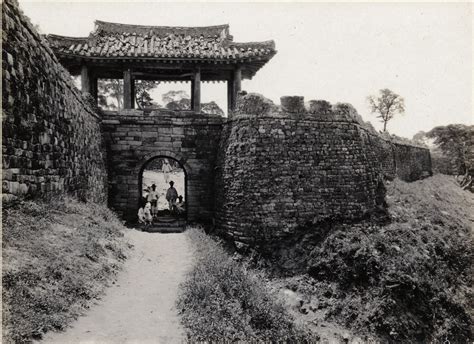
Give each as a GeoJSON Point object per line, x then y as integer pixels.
{"type": "Point", "coordinates": [132, 140]}
{"type": "Point", "coordinates": [167, 154]}
{"type": "Point", "coordinates": [163, 155]}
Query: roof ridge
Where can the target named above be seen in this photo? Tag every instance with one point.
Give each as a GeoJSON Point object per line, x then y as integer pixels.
{"type": "Point", "coordinates": [111, 27]}
{"type": "Point", "coordinates": [97, 21]}
{"type": "Point", "coordinates": [51, 35]}
{"type": "Point", "coordinates": [269, 44]}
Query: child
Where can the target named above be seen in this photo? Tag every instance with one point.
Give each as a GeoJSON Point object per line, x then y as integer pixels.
{"type": "Point", "coordinates": [147, 213]}
{"type": "Point", "coordinates": [144, 214]}
{"type": "Point", "coordinates": [180, 206]}
{"type": "Point", "coordinates": [141, 215]}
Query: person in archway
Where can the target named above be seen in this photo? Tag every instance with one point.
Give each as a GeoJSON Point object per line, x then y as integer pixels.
{"type": "Point", "coordinates": [171, 196]}
{"type": "Point", "coordinates": [152, 197]}
{"type": "Point", "coordinates": [144, 214]}
{"type": "Point", "coordinates": [166, 169]}
{"type": "Point", "coordinates": [141, 212]}
{"type": "Point", "coordinates": [180, 206]}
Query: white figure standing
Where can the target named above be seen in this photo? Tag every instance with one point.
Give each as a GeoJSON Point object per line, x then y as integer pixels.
{"type": "Point", "coordinates": [166, 169]}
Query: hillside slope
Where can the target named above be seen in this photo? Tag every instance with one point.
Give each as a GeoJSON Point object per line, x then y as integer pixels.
{"type": "Point", "coordinates": [57, 258]}
{"type": "Point", "coordinates": [408, 280]}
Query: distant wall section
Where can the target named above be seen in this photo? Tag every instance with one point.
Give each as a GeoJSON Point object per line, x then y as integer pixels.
{"type": "Point", "coordinates": [402, 160]}
{"type": "Point", "coordinates": [411, 162]}
{"type": "Point", "coordinates": [52, 143]}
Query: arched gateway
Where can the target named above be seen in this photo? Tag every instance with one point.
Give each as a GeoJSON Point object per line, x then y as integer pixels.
{"type": "Point", "coordinates": [156, 175]}
{"type": "Point", "coordinates": [133, 140]}
{"type": "Point", "coordinates": [133, 137]}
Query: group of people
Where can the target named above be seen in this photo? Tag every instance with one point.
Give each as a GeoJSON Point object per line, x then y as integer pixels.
{"type": "Point", "coordinates": [148, 210]}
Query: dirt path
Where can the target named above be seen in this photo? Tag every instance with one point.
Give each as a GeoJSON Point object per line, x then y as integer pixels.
{"type": "Point", "coordinates": [140, 307]}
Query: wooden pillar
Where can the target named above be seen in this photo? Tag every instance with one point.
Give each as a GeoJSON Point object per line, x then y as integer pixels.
{"type": "Point", "coordinates": [230, 98]}
{"type": "Point", "coordinates": [197, 91]}
{"type": "Point", "coordinates": [237, 84]}
{"type": "Point", "coordinates": [132, 84]}
{"type": "Point", "coordinates": [237, 79]}
{"type": "Point", "coordinates": [85, 80]}
{"type": "Point", "coordinates": [94, 87]}
{"type": "Point", "coordinates": [192, 95]}
{"type": "Point", "coordinates": [127, 89]}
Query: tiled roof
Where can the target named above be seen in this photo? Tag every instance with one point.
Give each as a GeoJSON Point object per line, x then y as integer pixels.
{"type": "Point", "coordinates": [112, 40]}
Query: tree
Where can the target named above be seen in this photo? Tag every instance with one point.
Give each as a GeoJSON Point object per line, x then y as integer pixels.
{"type": "Point", "coordinates": [212, 108]}
{"type": "Point", "coordinates": [176, 100]}
{"type": "Point", "coordinates": [456, 141]}
{"type": "Point", "coordinates": [110, 88]}
{"type": "Point", "coordinates": [387, 104]}
{"type": "Point", "coordinates": [142, 93]}
{"type": "Point", "coordinates": [182, 104]}
{"type": "Point", "coordinates": [174, 96]}
{"type": "Point", "coordinates": [420, 138]}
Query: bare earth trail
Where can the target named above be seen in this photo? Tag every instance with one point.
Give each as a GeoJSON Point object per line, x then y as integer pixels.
{"type": "Point", "coordinates": [140, 307]}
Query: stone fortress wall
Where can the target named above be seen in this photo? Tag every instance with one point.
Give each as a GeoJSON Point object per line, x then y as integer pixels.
{"type": "Point", "coordinates": [51, 137]}
{"type": "Point", "coordinates": [263, 172]}
{"type": "Point", "coordinates": [284, 168]}
{"type": "Point", "coordinates": [409, 162]}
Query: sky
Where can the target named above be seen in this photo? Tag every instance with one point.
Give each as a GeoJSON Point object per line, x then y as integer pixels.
{"type": "Point", "coordinates": [339, 52]}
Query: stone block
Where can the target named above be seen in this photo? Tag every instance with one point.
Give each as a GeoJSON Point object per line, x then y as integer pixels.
{"type": "Point", "coordinates": [255, 104]}
{"type": "Point", "coordinates": [149, 134]}
{"type": "Point", "coordinates": [320, 107]}
{"type": "Point", "coordinates": [292, 104]}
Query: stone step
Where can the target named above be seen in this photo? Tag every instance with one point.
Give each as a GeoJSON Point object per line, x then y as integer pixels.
{"type": "Point", "coordinates": [164, 225]}
{"type": "Point", "coordinates": [164, 229]}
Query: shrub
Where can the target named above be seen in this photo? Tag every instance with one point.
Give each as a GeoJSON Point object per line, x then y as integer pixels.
{"type": "Point", "coordinates": [57, 257]}
{"type": "Point", "coordinates": [224, 300]}
{"type": "Point", "coordinates": [411, 279]}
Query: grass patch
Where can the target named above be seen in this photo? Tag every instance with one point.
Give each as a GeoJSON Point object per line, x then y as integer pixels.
{"type": "Point", "coordinates": [57, 258]}
{"type": "Point", "coordinates": [410, 280]}
{"type": "Point", "coordinates": [223, 300]}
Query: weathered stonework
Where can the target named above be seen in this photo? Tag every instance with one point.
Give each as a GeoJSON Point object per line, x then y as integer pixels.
{"type": "Point", "coordinates": [134, 137]}
{"type": "Point", "coordinates": [51, 139]}
{"type": "Point", "coordinates": [260, 175]}
{"type": "Point", "coordinates": [281, 171]}
{"type": "Point", "coordinates": [277, 173]}
{"type": "Point", "coordinates": [411, 162]}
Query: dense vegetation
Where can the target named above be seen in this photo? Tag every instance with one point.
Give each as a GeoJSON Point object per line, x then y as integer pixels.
{"type": "Point", "coordinates": [409, 280]}
{"type": "Point", "coordinates": [224, 300]}
{"type": "Point", "coordinates": [57, 257]}
{"type": "Point", "coordinates": [452, 151]}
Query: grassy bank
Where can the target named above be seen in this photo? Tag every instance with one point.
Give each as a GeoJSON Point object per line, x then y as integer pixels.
{"type": "Point", "coordinates": [57, 258]}
{"type": "Point", "coordinates": [222, 300]}
{"type": "Point", "coordinates": [407, 281]}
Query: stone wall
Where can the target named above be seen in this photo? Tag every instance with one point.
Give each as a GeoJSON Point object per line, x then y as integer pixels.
{"type": "Point", "coordinates": [281, 169]}
{"type": "Point", "coordinates": [51, 136]}
{"type": "Point", "coordinates": [284, 168]}
{"type": "Point", "coordinates": [411, 162]}
{"type": "Point", "coordinates": [384, 150]}
{"type": "Point", "coordinates": [397, 159]}
{"type": "Point", "coordinates": [135, 137]}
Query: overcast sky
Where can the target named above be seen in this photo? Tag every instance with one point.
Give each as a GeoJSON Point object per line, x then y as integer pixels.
{"type": "Point", "coordinates": [334, 51]}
